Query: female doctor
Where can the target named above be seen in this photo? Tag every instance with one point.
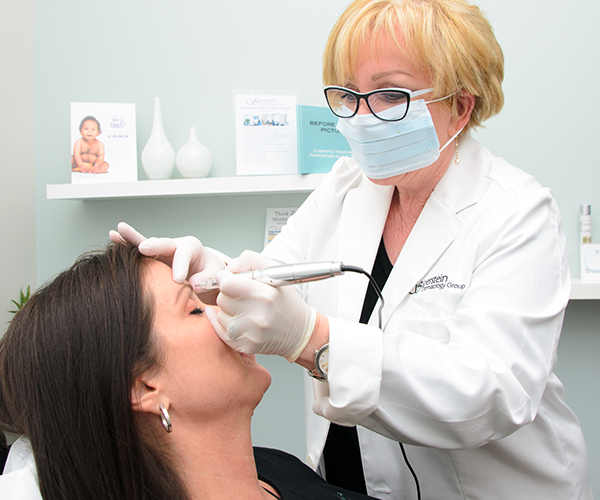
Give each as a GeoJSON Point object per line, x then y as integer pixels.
{"type": "Point", "coordinates": [468, 250]}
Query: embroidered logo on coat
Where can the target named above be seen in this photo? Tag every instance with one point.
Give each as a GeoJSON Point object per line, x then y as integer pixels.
{"type": "Point", "coordinates": [439, 282]}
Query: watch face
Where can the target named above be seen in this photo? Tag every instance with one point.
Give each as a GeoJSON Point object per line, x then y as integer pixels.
{"type": "Point", "coordinates": [323, 361]}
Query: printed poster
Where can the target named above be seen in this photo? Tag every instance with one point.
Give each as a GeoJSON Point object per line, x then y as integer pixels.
{"type": "Point", "coordinates": [276, 219]}
{"type": "Point", "coordinates": [320, 143]}
{"type": "Point", "coordinates": [266, 141]}
{"type": "Point", "coordinates": [103, 143]}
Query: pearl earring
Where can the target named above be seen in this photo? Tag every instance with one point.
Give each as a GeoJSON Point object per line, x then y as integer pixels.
{"type": "Point", "coordinates": [457, 159]}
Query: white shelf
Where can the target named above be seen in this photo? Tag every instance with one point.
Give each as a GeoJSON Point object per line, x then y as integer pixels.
{"type": "Point", "coordinates": [224, 186]}
{"type": "Point", "coordinates": [210, 186]}
{"type": "Point", "coordinates": [585, 290]}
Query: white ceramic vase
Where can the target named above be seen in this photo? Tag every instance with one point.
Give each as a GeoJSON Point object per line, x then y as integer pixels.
{"type": "Point", "coordinates": [194, 159]}
{"type": "Point", "coordinates": [158, 156]}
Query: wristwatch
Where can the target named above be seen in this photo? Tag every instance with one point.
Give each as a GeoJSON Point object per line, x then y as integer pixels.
{"type": "Point", "coordinates": [321, 368]}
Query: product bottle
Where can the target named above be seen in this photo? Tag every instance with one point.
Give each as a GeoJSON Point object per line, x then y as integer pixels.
{"type": "Point", "coordinates": [158, 156]}
{"type": "Point", "coordinates": [585, 217]}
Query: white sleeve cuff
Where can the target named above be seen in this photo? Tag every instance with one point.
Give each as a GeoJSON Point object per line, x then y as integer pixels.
{"type": "Point", "coordinates": [355, 370]}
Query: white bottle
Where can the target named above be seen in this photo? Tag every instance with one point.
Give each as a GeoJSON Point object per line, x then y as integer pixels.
{"type": "Point", "coordinates": [158, 156]}
{"type": "Point", "coordinates": [193, 159]}
{"type": "Point", "coordinates": [585, 218]}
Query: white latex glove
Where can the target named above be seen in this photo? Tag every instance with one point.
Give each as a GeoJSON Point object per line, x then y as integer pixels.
{"type": "Point", "coordinates": [188, 258]}
{"type": "Point", "coordinates": [256, 318]}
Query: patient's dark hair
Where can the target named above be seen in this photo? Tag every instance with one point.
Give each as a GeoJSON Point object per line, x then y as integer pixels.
{"type": "Point", "coordinates": [67, 365]}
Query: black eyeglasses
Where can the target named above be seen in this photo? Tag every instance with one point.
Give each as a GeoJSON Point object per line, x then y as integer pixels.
{"type": "Point", "coordinates": [390, 105]}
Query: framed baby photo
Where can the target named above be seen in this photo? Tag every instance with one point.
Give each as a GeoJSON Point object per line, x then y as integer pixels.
{"type": "Point", "coordinates": [103, 143]}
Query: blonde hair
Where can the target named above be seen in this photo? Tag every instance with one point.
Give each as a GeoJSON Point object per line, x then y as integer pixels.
{"type": "Point", "coordinates": [450, 41]}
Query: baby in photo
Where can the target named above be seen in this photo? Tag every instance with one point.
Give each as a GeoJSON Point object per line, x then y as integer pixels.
{"type": "Point", "coordinates": [88, 151]}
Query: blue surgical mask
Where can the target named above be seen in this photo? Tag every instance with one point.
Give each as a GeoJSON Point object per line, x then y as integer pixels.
{"type": "Point", "coordinates": [385, 149]}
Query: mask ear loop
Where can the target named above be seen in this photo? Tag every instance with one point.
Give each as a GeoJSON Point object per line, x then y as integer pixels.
{"type": "Point", "coordinates": [442, 98]}
{"type": "Point", "coordinates": [455, 136]}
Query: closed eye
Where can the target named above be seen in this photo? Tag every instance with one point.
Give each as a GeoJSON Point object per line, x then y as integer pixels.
{"type": "Point", "coordinates": [197, 310]}
{"type": "Point", "coordinates": [348, 98]}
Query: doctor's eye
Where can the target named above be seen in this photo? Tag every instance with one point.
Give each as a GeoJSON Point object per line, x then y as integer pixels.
{"type": "Point", "coordinates": [198, 310]}
{"type": "Point", "coordinates": [391, 97]}
{"type": "Point", "coordinates": [346, 98]}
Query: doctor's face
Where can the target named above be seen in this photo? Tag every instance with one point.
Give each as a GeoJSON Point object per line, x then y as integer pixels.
{"type": "Point", "coordinates": [381, 64]}
{"type": "Point", "coordinates": [201, 375]}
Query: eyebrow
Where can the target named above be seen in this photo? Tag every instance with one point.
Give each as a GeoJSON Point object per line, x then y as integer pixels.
{"type": "Point", "coordinates": [185, 286]}
{"type": "Point", "coordinates": [379, 76]}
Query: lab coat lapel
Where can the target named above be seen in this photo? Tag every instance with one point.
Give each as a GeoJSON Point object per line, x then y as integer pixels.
{"type": "Point", "coordinates": [361, 225]}
{"type": "Point", "coordinates": [435, 229]}
{"type": "Point", "coordinates": [436, 226]}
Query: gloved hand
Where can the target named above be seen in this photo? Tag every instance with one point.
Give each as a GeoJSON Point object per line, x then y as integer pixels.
{"type": "Point", "coordinates": [258, 318]}
{"type": "Point", "coordinates": [188, 258]}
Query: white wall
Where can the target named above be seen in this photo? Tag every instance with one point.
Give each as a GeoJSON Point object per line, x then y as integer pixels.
{"type": "Point", "coordinates": [17, 153]}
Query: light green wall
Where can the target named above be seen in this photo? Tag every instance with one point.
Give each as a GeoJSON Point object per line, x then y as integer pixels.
{"type": "Point", "coordinates": [17, 145]}
{"type": "Point", "coordinates": [579, 370]}
{"type": "Point", "coordinates": [193, 54]}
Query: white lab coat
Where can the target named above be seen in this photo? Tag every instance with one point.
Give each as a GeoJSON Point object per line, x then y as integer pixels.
{"type": "Point", "coordinates": [462, 370]}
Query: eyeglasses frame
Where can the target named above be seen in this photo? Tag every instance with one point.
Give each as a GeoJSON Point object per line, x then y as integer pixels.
{"type": "Point", "coordinates": [408, 93]}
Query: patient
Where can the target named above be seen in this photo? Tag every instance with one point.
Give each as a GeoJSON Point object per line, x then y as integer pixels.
{"type": "Point", "coordinates": [116, 380]}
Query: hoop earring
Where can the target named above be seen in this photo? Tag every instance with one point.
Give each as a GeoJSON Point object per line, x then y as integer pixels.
{"type": "Point", "coordinates": [165, 418]}
{"type": "Point", "coordinates": [457, 159]}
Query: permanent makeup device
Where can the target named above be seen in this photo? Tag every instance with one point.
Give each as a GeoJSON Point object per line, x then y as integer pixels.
{"type": "Point", "coordinates": [304, 272]}
{"type": "Point", "coordinates": [288, 274]}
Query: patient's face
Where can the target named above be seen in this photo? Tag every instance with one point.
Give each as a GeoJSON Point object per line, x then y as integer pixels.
{"type": "Point", "coordinates": [201, 374]}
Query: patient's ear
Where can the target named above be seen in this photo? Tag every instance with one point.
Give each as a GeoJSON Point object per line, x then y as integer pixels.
{"type": "Point", "coordinates": [146, 395]}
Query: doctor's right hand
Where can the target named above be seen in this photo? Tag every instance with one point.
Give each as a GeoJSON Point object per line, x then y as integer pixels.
{"type": "Point", "coordinates": [256, 318]}
{"type": "Point", "coordinates": [188, 258]}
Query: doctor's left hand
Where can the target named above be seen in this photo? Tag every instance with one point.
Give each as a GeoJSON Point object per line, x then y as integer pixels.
{"type": "Point", "coordinates": [258, 318]}
{"type": "Point", "coordinates": [186, 255]}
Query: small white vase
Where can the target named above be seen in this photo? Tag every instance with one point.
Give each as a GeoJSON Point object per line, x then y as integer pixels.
{"type": "Point", "coordinates": [194, 159]}
{"type": "Point", "coordinates": [158, 156]}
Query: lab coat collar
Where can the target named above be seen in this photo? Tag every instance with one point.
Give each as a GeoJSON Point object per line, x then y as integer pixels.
{"type": "Point", "coordinates": [434, 231]}
{"type": "Point", "coordinates": [363, 218]}
{"type": "Point", "coordinates": [19, 479]}
{"type": "Point", "coordinates": [437, 225]}
{"type": "Point", "coordinates": [462, 184]}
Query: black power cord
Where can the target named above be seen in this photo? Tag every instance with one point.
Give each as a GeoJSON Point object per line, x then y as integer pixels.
{"type": "Point", "coordinates": [412, 471]}
{"type": "Point", "coordinates": [360, 270]}
{"type": "Point", "coordinates": [354, 269]}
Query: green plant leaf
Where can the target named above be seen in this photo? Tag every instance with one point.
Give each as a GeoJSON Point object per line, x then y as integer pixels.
{"type": "Point", "coordinates": [23, 298]}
